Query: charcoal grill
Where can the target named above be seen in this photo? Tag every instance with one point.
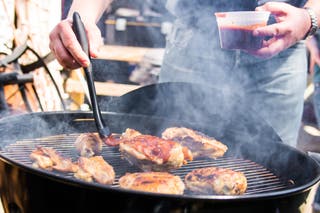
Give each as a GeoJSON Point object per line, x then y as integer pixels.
{"type": "Point", "coordinates": [280, 178]}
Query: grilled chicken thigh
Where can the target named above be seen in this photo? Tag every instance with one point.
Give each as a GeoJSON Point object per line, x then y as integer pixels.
{"type": "Point", "coordinates": [48, 158]}
{"type": "Point", "coordinates": [88, 144]}
{"type": "Point", "coordinates": [198, 143]}
{"type": "Point", "coordinates": [158, 182]}
{"type": "Point", "coordinates": [213, 180]}
{"type": "Point", "coordinates": [95, 168]}
{"type": "Point", "coordinates": [151, 153]}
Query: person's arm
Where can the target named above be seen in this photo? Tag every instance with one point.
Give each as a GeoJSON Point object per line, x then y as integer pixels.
{"type": "Point", "coordinates": [89, 10]}
{"type": "Point", "coordinates": [292, 25]}
{"type": "Point", "coordinates": [63, 42]}
{"type": "Point", "coordinates": [313, 48]}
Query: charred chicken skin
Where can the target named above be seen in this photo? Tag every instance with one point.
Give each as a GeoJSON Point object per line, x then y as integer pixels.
{"type": "Point", "coordinates": [130, 133]}
{"type": "Point", "coordinates": [157, 182]}
{"type": "Point", "coordinates": [151, 153]}
{"type": "Point", "coordinates": [213, 180]}
{"type": "Point", "coordinates": [115, 139]}
{"type": "Point", "coordinates": [95, 168]}
{"type": "Point", "coordinates": [199, 143]}
{"type": "Point", "coordinates": [49, 159]}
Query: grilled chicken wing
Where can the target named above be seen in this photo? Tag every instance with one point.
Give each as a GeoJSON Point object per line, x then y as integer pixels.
{"type": "Point", "coordinates": [88, 144]}
{"type": "Point", "coordinates": [41, 160]}
{"type": "Point", "coordinates": [48, 158]}
{"type": "Point", "coordinates": [158, 182]}
{"type": "Point", "coordinates": [213, 180]}
{"type": "Point", "coordinates": [95, 168]}
{"type": "Point", "coordinates": [198, 143]}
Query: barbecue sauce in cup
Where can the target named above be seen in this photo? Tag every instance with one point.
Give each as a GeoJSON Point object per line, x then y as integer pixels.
{"type": "Point", "coordinates": [236, 29]}
{"type": "Point", "coordinates": [234, 37]}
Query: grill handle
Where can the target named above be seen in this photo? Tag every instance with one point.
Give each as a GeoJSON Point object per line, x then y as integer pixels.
{"type": "Point", "coordinates": [81, 35]}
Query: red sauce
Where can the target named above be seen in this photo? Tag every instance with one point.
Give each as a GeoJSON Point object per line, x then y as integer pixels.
{"type": "Point", "coordinates": [240, 37]}
{"type": "Point", "coordinates": [112, 140]}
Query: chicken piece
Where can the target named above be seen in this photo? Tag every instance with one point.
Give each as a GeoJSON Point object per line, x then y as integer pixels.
{"type": "Point", "coordinates": [83, 175]}
{"type": "Point", "coordinates": [48, 158]}
{"type": "Point", "coordinates": [40, 160]}
{"type": "Point", "coordinates": [213, 180]}
{"type": "Point", "coordinates": [97, 168]}
{"type": "Point", "coordinates": [199, 143]}
{"type": "Point", "coordinates": [157, 182]}
{"type": "Point", "coordinates": [151, 153]}
{"type": "Point", "coordinates": [130, 133]}
{"type": "Point", "coordinates": [115, 139]}
{"type": "Point", "coordinates": [88, 144]}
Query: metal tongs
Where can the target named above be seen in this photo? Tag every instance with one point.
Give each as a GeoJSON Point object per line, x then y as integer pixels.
{"type": "Point", "coordinates": [80, 32]}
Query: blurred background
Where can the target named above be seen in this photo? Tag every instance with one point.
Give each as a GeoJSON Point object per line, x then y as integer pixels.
{"type": "Point", "coordinates": [31, 80]}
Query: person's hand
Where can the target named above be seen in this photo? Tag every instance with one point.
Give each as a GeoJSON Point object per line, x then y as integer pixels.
{"type": "Point", "coordinates": [292, 25]}
{"type": "Point", "coordinates": [314, 51]}
{"type": "Point", "coordinates": [66, 48]}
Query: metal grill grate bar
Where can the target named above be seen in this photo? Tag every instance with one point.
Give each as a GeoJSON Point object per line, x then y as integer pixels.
{"type": "Point", "coordinates": [260, 180]}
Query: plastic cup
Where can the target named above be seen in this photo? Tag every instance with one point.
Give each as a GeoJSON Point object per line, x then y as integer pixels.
{"type": "Point", "coordinates": [235, 29]}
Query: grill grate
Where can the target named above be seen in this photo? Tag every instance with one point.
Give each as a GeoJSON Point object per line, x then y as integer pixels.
{"type": "Point", "coordinates": [260, 179]}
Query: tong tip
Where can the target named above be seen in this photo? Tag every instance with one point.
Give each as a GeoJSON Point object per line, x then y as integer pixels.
{"type": "Point", "coordinates": [105, 132]}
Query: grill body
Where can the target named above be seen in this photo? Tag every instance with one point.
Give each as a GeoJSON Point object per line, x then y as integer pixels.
{"type": "Point", "coordinates": [281, 179]}
{"type": "Point", "coordinates": [40, 194]}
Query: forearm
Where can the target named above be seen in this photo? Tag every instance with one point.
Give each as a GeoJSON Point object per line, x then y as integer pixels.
{"type": "Point", "coordinates": [315, 5]}
{"type": "Point", "coordinates": [89, 10]}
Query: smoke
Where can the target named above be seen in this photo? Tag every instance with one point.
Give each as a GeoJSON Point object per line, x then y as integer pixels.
{"type": "Point", "coordinates": [201, 84]}
{"type": "Point", "coordinates": [224, 81]}
{"type": "Point", "coordinates": [191, 57]}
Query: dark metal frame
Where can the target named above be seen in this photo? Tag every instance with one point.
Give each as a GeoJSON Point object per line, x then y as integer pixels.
{"type": "Point", "coordinates": [22, 75]}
